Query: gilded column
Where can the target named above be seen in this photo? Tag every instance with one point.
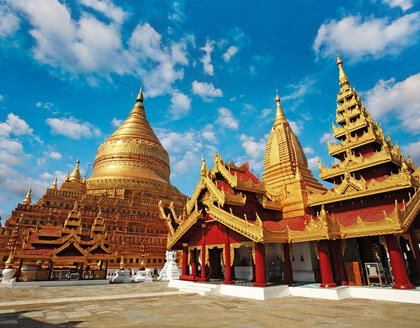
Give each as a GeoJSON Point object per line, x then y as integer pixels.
{"type": "Point", "coordinates": [325, 264]}
{"type": "Point", "coordinates": [397, 263]}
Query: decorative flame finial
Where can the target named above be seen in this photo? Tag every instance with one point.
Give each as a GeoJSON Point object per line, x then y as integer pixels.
{"type": "Point", "coordinates": [280, 118]}
{"type": "Point", "coordinates": [342, 75]}
{"type": "Point", "coordinates": [27, 200]}
{"type": "Point", "coordinates": [140, 95]}
{"type": "Point", "coordinates": [54, 186]}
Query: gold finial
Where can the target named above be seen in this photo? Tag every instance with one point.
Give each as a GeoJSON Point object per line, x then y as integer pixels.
{"type": "Point", "coordinates": [140, 95]}
{"type": "Point", "coordinates": [342, 76]}
{"type": "Point", "coordinates": [67, 176]}
{"type": "Point", "coordinates": [54, 186]}
{"type": "Point", "coordinates": [280, 118]}
{"type": "Point", "coordinates": [75, 175]}
{"type": "Point", "coordinates": [27, 200]}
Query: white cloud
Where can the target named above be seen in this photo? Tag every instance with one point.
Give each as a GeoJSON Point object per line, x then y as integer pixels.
{"type": "Point", "coordinates": [18, 125]}
{"type": "Point", "coordinates": [308, 150]}
{"type": "Point", "coordinates": [265, 112]}
{"type": "Point", "coordinates": [403, 4]}
{"type": "Point", "coordinates": [230, 52]}
{"type": "Point", "coordinates": [72, 128]}
{"type": "Point", "coordinates": [55, 155]}
{"type": "Point", "coordinates": [209, 134]}
{"type": "Point", "coordinates": [227, 119]}
{"type": "Point", "coordinates": [254, 149]}
{"type": "Point", "coordinates": [326, 137]}
{"type": "Point", "coordinates": [1, 97]}
{"type": "Point", "coordinates": [180, 104]}
{"type": "Point", "coordinates": [399, 98]}
{"type": "Point", "coordinates": [176, 12]}
{"type": "Point", "coordinates": [296, 127]}
{"type": "Point", "coordinates": [90, 48]}
{"type": "Point", "coordinates": [206, 59]}
{"type": "Point", "coordinates": [9, 22]}
{"type": "Point", "coordinates": [299, 90]}
{"type": "Point", "coordinates": [186, 148]}
{"type": "Point", "coordinates": [206, 91]}
{"type": "Point", "coordinates": [116, 123]}
{"type": "Point", "coordinates": [45, 105]}
{"type": "Point", "coordinates": [313, 163]}
{"type": "Point", "coordinates": [414, 150]}
{"type": "Point", "coordinates": [46, 176]}
{"type": "Point", "coordinates": [358, 37]}
{"type": "Point", "coordinates": [107, 8]}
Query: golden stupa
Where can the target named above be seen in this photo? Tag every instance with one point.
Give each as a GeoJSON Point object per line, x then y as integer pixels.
{"type": "Point", "coordinates": [131, 160]}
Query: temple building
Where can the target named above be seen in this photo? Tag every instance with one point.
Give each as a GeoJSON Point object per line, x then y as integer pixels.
{"type": "Point", "coordinates": [287, 227]}
{"type": "Point", "coordinates": [115, 210]}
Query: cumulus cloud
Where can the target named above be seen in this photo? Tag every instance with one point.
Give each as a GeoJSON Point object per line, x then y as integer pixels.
{"type": "Point", "coordinates": [116, 123]}
{"type": "Point", "coordinates": [107, 8]}
{"type": "Point", "coordinates": [392, 97]}
{"type": "Point", "coordinates": [358, 37]}
{"type": "Point", "coordinates": [313, 163]}
{"type": "Point", "coordinates": [296, 127]}
{"type": "Point", "coordinates": [9, 22]}
{"type": "Point", "coordinates": [206, 91]}
{"type": "Point", "coordinates": [414, 150]}
{"type": "Point", "coordinates": [326, 137]}
{"type": "Point", "coordinates": [71, 127]}
{"type": "Point", "coordinates": [180, 104]}
{"type": "Point", "coordinates": [403, 4]}
{"type": "Point", "coordinates": [254, 149]}
{"type": "Point", "coordinates": [300, 89]}
{"type": "Point", "coordinates": [230, 52]}
{"type": "Point", "coordinates": [45, 105]}
{"type": "Point", "coordinates": [308, 150]}
{"type": "Point", "coordinates": [206, 59]}
{"type": "Point", "coordinates": [185, 148]}
{"type": "Point", "coordinates": [91, 48]}
{"type": "Point", "coordinates": [227, 119]}
{"type": "Point", "coordinates": [55, 155]}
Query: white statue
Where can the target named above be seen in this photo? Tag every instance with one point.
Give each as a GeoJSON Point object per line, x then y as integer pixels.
{"type": "Point", "coordinates": [8, 279]}
{"type": "Point", "coordinates": [170, 271]}
{"type": "Point", "coordinates": [123, 276]}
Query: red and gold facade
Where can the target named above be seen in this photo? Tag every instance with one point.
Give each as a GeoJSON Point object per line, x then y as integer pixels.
{"type": "Point", "coordinates": [288, 227]}
{"type": "Point", "coordinates": [130, 175]}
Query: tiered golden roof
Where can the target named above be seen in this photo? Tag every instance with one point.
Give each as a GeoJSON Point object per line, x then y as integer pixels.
{"type": "Point", "coordinates": [130, 157]}
{"type": "Point", "coordinates": [286, 173]}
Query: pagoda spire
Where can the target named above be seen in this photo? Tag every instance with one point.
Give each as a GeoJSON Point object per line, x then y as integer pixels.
{"type": "Point", "coordinates": [54, 186]}
{"type": "Point", "coordinates": [27, 200]}
{"type": "Point", "coordinates": [140, 95]}
{"type": "Point", "coordinates": [280, 118]}
{"type": "Point", "coordinates": [342, 75]}
{"type": "Point", "coordinates": [75, 175]}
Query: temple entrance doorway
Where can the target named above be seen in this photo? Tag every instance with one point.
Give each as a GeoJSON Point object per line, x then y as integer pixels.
{"type": "Point", "coordinates": [304, 262]}
{"type": "Point", "coordinates": [215, 263]}
{"type": "Point", "coordinates": [273, 263]}
{"type": "Point", "coordinates": [243, 264]}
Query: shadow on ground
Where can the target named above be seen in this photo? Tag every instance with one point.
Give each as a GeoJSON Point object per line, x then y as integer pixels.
{"type": "Point", "coordinates": [20, 319]}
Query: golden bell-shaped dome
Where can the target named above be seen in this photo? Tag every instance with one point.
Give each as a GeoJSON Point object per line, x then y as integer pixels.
{"type": "Point", "coordinates": [131, 156]}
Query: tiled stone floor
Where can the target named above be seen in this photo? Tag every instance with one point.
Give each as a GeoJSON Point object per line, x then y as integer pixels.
{"type": "Point", "coordinates": [197, 311]}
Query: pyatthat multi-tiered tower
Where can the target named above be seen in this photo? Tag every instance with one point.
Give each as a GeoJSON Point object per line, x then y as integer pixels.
{"type": "Point", "coordinates": [363, 152]}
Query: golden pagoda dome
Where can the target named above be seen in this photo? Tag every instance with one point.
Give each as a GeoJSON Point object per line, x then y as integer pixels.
{"type": "Point", "coordinates": [131, 157]}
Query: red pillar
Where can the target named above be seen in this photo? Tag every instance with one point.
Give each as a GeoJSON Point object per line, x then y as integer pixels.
{"type": "Point", "coordinates": [338, 261]}
{"type": "Point", "coordinates": [259, 265]}
{"type": "Point", "coordinates": [203, 255]}
{"type": "Point", "coordinates": [184, 262]}
{"type": "Point", "coordinates": [287, 265]}
{"type": "Point", "coordinates": [397, 263]}
{"type": "Point", "coordinates": [194, 264]}
{"type": "Point", "coordinates": [325, 264]}
{"type": "Point", "coordinates": [227, 259]}
{"type": "Point", "coordinates": [416, 251]}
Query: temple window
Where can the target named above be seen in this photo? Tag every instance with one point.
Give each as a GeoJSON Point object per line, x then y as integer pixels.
{"type": "Point", "coordinates": [137, 260]}
{"type": "Point", "coordinates": [154, 260]}
{"type": "Point", "coordinates": [118, 260]}
{"type": "Point", "coordinates": [148, 260]}
{"type": "Point", "coordinates": [131, 260]}
{"type": "Point", "coordinates": [160, 260]}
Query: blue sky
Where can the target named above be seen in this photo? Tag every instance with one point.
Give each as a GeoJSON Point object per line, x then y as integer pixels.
{"type": "Point", "coordinates": [71, 70]}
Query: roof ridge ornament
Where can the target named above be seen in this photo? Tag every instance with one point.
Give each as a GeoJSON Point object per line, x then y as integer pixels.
{"type": "Point", "coordinates": [342, 75]}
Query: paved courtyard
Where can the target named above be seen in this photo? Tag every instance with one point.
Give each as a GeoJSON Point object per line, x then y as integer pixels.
{"type": "Point", "coordinates": [154, 305]}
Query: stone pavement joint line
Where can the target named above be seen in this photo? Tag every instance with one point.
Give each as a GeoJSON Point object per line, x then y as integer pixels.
{"type": "Point", "coordinates": [93, 298]}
